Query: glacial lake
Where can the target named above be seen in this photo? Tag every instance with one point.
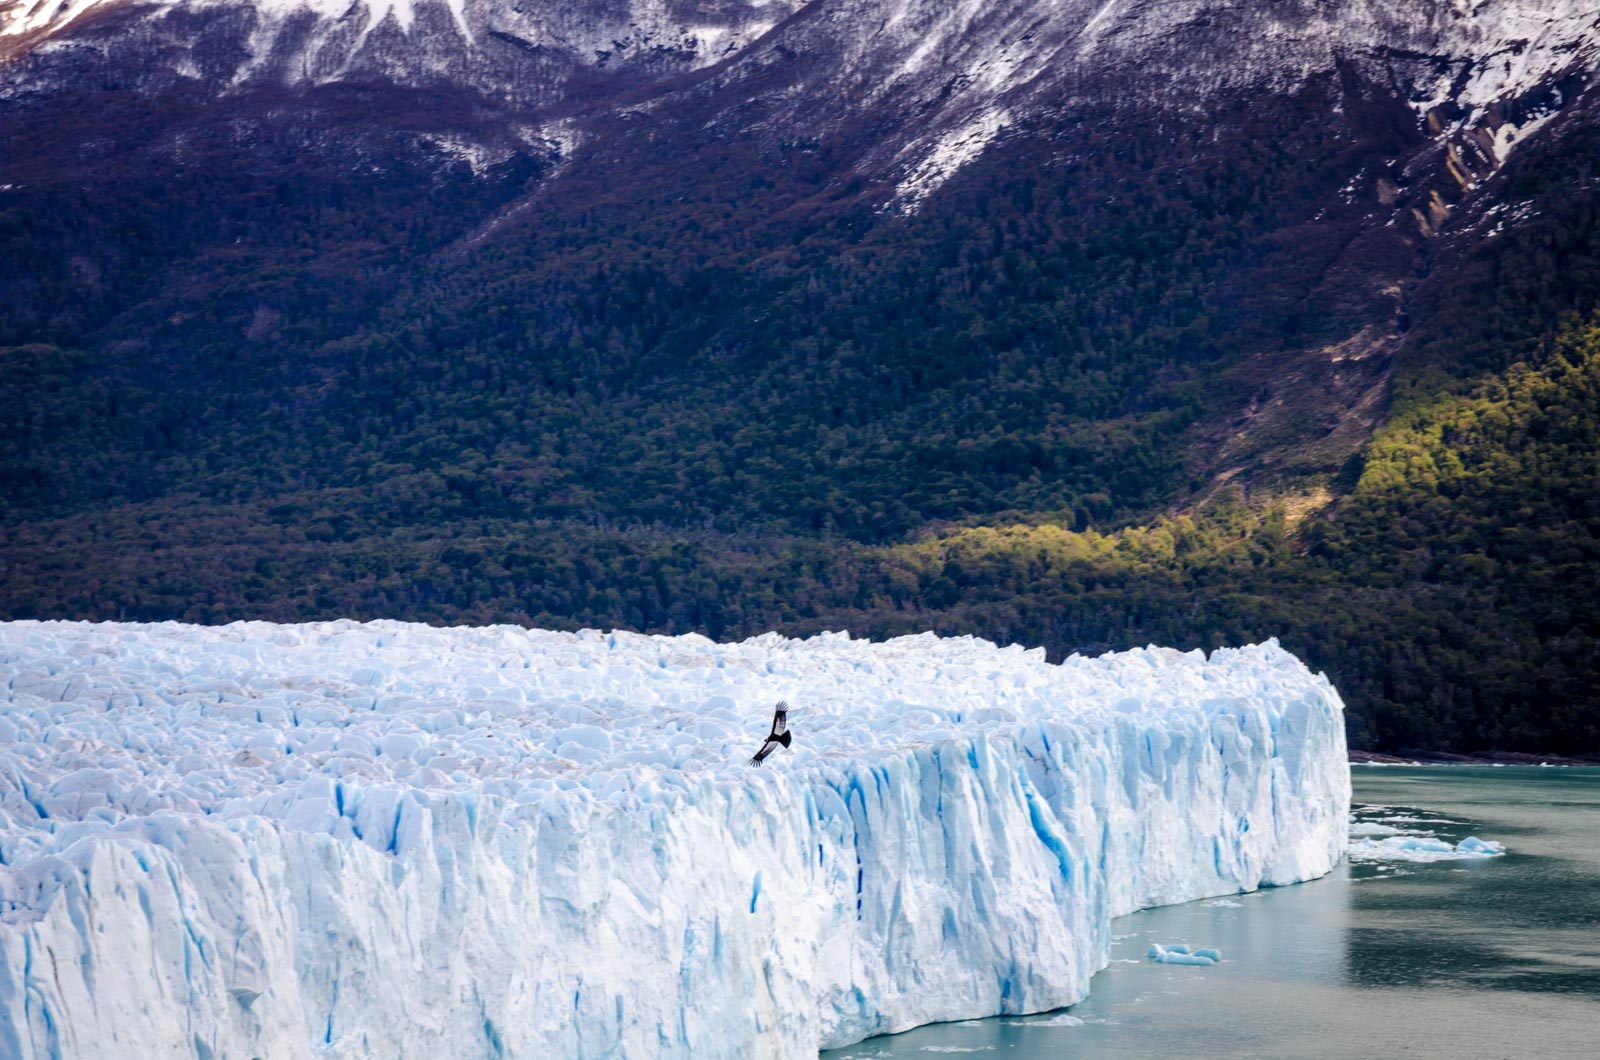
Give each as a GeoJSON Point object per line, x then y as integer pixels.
{"type": "Point", "coordinates": [1486, 957]}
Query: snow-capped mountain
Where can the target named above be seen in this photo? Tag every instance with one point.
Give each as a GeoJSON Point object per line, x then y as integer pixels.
{"type": "Point", "coordinates": [324, 40]}
{"type": "Point", "coordinates": [518, 52]}
{"type": "Point", "coordinates": [942, 79]}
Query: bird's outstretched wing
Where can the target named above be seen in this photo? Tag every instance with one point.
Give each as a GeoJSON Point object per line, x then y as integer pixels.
{"type": "Point", "coordinates": [778, 737]}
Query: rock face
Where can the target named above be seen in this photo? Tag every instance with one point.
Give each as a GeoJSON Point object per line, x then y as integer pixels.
{"type": "Point", "coordinates": [515, 53]}
{"type": "Point", "coordinates": [397, 841]}
{"type": "Point", "coordinates": [940, 80]}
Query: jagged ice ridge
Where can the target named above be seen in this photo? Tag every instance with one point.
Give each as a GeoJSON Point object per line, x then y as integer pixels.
{"type": "Point", "coordinates": [394, 840]}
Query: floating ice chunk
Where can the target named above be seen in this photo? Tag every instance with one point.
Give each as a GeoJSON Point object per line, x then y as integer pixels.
{"type": "Point", "coordinates": [1179, 954]}
{"type": "Point", "coordinates": [1386, 833]}
{"type": "Point", "coordinates": [1359, 829]}
{"type": "Point", "coordinates": [1421, 844]}
{"type": "Point", "coordinates": [1225, 903]}
{"type": "Point", "coordinates": [1063, 1020]}
{"type": "Point", "coordinates": [1423, 849]}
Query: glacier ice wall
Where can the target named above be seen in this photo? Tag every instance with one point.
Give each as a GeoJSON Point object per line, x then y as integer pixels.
{"type": "Point", "coordinates": [392, 840]}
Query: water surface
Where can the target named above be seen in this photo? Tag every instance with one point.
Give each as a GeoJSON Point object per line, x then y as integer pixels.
{"type": "Point", "coordinates": [1495, 957]}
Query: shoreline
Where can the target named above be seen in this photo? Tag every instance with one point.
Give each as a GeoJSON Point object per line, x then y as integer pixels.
{"type": "Point", "coordinates": [1485, 758]}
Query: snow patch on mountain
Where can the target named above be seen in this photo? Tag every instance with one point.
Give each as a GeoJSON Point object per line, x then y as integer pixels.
{"type": "Point", "coordinates": [947, 155]}
{"type": "Point", "coordinates": [1472, 51]}
{"type": "Point", "coordinates": [944, 74]}
{"type": "Point", "coordinates": [948, 66]}
{"type": "Point", "coordinates": [591, 26]}
{"type": "Point", "coordinates": [394, 840]}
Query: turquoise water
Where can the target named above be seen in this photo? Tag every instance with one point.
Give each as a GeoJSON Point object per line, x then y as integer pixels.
{"type": "Point", "coordinates": [1497, 957]}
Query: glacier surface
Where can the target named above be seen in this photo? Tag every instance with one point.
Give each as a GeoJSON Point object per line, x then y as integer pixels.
{"type": "Point", "coordinates": [394, 840]}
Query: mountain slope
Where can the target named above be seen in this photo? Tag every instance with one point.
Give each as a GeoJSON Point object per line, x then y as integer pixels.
{"type": "Point", "coordinates": [324, 310]}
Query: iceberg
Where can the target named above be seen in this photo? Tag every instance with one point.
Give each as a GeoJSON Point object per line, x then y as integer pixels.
{"type": "Point", "coordinates": [1063, 1020]}
{"type": "Point", "coordinates": [1379, 835]}
{"type": "Point", "coordinates": [1483, 847]}
{"type": "Point", "coordinates": [1177, 953]}
{"type": "Point", "coordinates": [392, 840]}
{"type": "Point", "coordinates": [1423, 849]}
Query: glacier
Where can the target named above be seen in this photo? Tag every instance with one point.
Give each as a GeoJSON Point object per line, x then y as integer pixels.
{"type": "Point", "coordinates": [393, 840]}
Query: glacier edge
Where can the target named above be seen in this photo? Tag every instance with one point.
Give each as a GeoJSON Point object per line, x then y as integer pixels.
{"type": "Point", "coordinates": [953, 840]}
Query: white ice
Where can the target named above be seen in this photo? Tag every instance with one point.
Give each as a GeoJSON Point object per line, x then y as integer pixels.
{"type": "Point", "coordinates": [1379, 834]}
{"type": "Point", "coordinates": [1423, 849]}
{"type": "Point", "coordinates": [1363, 829]}
{"type": "Point", "coordinates": [392, 840]}
{"type": "Point", "coordinates": [1178, 953]}
{"type": "Point", "coordinates": [1063, 1020]}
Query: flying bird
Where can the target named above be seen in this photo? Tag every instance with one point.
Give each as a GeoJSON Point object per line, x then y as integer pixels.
{"type": "Point", "coordinates": [778, 737]}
